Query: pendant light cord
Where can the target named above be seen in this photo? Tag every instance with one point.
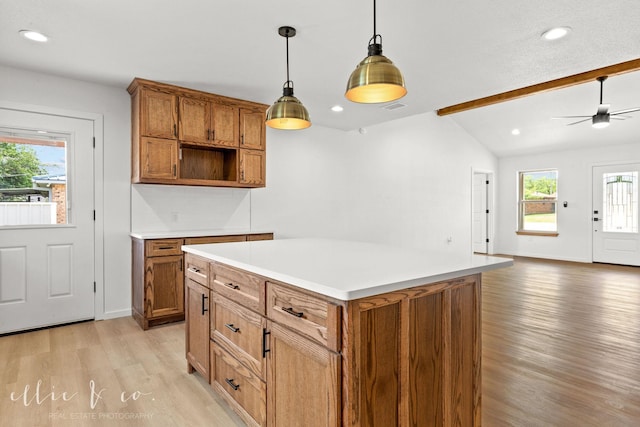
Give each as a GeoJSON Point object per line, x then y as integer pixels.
{"type": "Point", "coordinates": [374, 20]}
{"type": "Point", "coordinates": [287, 37]}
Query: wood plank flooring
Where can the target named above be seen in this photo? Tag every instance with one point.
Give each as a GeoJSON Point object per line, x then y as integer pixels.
{"type": "Point", "coordinates": [561, 347]}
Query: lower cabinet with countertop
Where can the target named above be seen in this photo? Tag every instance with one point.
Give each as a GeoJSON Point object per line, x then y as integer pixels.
{"type": "Point", "coordinates": [157, 273]}
{"type": "Point", "coordinates": [285, 348]}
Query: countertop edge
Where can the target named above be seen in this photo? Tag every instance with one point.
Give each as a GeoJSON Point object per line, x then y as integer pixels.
{"type": "Point", "coordinates": [356, 294]}
{"type": "Point", "coordinates": [144, 235]}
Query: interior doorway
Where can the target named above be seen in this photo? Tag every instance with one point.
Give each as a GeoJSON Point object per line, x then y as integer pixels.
{"type": "Point", "coordinates": [482, 211]}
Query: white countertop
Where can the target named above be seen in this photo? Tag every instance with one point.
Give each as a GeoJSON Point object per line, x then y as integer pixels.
{"type": "Point", "coordinates": [343, 269]}
{"type": "Point", "coordinates": [193, 233]}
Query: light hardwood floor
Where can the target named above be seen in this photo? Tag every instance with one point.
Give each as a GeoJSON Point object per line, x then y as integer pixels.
{"type": "Point", "coordinates": [561, 347]}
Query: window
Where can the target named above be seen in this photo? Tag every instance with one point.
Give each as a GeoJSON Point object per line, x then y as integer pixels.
{"type": "Point", "coordinates": [33, 178]}
{"type": "Point", "coordinates": [538, 202]}
{"type": "Point", "coordinates": [620, 202]}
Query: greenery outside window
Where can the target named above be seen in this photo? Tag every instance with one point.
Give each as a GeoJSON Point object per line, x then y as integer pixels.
{"type": "Point", "coordinates": [538, 202]}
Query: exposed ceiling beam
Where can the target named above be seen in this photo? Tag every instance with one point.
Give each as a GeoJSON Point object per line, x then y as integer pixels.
{"type": "Point", "coordinates": [576, 79]}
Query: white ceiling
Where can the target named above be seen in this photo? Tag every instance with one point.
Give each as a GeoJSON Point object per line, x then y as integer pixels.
{"type": "Point", "coordinates": [449, 52]}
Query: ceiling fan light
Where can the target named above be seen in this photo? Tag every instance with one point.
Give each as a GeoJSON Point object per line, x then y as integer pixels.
{"type": "Point", "coordinates": [376, 79]}
{"type": "Point", "coordinates": [600, 121]}
{"type": "Point", "coordinates": [288, 113]}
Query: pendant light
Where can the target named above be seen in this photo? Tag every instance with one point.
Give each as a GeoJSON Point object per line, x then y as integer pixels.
{"type": "Point", "coordinates": [375, 79]}
{"type": "Point", "coordinates": [288, 112]}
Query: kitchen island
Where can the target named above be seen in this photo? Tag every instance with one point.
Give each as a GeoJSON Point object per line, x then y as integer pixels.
{"type": "Point", "coordinates": [319, 332]}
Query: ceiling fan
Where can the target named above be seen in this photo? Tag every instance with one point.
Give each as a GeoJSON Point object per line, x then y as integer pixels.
{"type": "Point", "coordinates": [602, 116]}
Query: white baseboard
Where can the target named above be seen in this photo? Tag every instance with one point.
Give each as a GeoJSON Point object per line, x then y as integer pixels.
{"type": "Point", "coordinates": [114, 314]}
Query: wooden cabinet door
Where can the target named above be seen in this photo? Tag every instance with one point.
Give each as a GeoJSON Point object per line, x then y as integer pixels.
{"type": "Point", "coordinates": [197, 327]}
{"type": "Point", "coordinates": [158, 158]}
{"type": "Point", "coordinates": [252, 167]}
{"type": "Point", "coordinates": [164, 286]}
{"type": "Point", "coordinates": [224, 125]}
{"type": "Point", "coordinates": [194, 120]}
{"type": "Point", "coordinates": [252, 129]}
{"type": "Point", "coordinates": [158, 114]}
{"type": "Point", "coordinates": [303, 381]}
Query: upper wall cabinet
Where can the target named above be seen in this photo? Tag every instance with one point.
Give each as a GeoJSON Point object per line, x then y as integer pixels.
{"type": "Point", "coordinates": [187, 137]}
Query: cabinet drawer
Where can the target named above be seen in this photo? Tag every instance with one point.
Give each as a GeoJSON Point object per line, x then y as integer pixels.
{"type": "Point", "coordinates": [214, 239]}
{"type": "Point", "coordinates": [163, 247]}
{"type": "Point", "coordinates": [244, 391]}
{"type": "Point", "coordinates": [197, 269]}
{"type": "Point", "coordinates": [244, 288]}
{"type": "Point", "coordinates": [308, 314]}
{"type": "Point", "coordinates": [240, 332]}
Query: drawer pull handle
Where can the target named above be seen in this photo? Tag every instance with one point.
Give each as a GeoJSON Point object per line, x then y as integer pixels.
{"type": "Point", "coordinates": [231, 383]}
{"type": "Point", "coordinates": [233, 328]}
{"type": "Point", "coordinates": [265, 350]}
{"type": "Point", "coordinates": [232, 286]}
{"type": "Point", "coordinates": [204, 310]}
{"type": "Point", "coordinates": [194, 270]}
{"type": "Point", "coordinates": [165, 247]}
{"type": "Point", "coordinates": [292, 312]}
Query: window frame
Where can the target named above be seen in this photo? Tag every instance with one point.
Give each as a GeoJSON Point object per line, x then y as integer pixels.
{"type": "Point", "coordinates": [522, 203]}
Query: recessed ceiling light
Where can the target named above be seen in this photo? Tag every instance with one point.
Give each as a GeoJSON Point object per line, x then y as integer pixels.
{"type": "Point", "coordinates": [515, 132]}
{"type": "Point", "coordinates": [337, 108]}
{"type": "Point", "coordinates": [34, 35]}
{"type": "Point", "coordinates": [556, 33]}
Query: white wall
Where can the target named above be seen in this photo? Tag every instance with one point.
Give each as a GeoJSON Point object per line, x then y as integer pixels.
{"type": "Point", "coordinates": [406, 183]}
{"type": "Point", "coordinates": [574, 186]}
{"type": "Point", "coordinates": [26, 87]}
{"type": "Point", "coordinates": [182, 208]}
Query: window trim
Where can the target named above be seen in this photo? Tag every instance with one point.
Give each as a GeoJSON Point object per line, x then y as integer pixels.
{"type": "Point", "coordinates": [521, 203]}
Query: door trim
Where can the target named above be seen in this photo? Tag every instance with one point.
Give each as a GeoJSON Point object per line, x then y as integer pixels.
{"type": "Point", "coordinates": [98, 187]}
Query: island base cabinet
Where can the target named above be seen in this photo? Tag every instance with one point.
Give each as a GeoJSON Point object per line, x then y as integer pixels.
{"type": "Point", "coordinates": [303, 381]}
{"type": "Point", "coordinates": [243, 390]}
{"type": "Point", "coordinates": [197, 328]}
{"type": "Point", "coordinates": [413, 357]}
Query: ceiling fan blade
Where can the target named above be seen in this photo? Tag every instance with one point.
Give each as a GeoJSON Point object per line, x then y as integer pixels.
{"type": "Point", "coordinates": [579, 121]}
{"type": "Point", "coordinates": [603, 108]}
{"type": "Point", "coordinates": [569, 117]}
{"type": "Point", "coordinates": [630, 110]}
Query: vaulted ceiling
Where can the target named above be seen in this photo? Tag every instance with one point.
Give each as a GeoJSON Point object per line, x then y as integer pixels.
{"type": "Point", "coordinates": [448, 51]}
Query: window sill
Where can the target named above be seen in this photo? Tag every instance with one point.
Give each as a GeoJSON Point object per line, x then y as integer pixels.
{"type": "Point", "coordinates": [538, 233]}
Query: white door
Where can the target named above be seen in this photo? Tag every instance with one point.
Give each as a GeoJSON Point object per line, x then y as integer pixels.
{"type": "Point", "coordinates": [480, 215]}
{"type": "Point", "coordinates": [47, 271]}
{"type": "Point", "coordinates": [615, 214]}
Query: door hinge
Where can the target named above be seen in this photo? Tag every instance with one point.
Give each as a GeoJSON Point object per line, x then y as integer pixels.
{"type": "Point", "coordinates": [487, 182]}
{"type": "Point", "coordinates": [94, 142]}
{"type": "Point", "coordinates": [94, 214]}
{"type": "Point", "coordinates": [94, 287]}
{"type": "Point", "coordinates": [487, 240]}
{"type": "Point", "coordinates": [487, 210]}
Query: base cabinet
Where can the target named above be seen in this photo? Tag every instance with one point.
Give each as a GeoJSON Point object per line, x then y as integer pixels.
{"type": "Point", "coordinates": [303, 381]}
{"type": "Point", "coordinates": [280, 355]}
{"type": "Point", "coordinates": [158, 276]}
{"type": "Point", "coordinates": [197, 327]}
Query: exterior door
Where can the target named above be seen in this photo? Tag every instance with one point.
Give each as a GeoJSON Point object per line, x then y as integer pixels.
{"type": "Point", "coordinates": [616, 238]}
{"type": "Point", "coordinates": [47, 270]}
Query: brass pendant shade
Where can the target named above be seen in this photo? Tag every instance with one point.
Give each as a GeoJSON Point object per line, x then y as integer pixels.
{"type": "Point", "coordinates": [375, 79]}
{"type": "Point", "coordinates": [287, 112]}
